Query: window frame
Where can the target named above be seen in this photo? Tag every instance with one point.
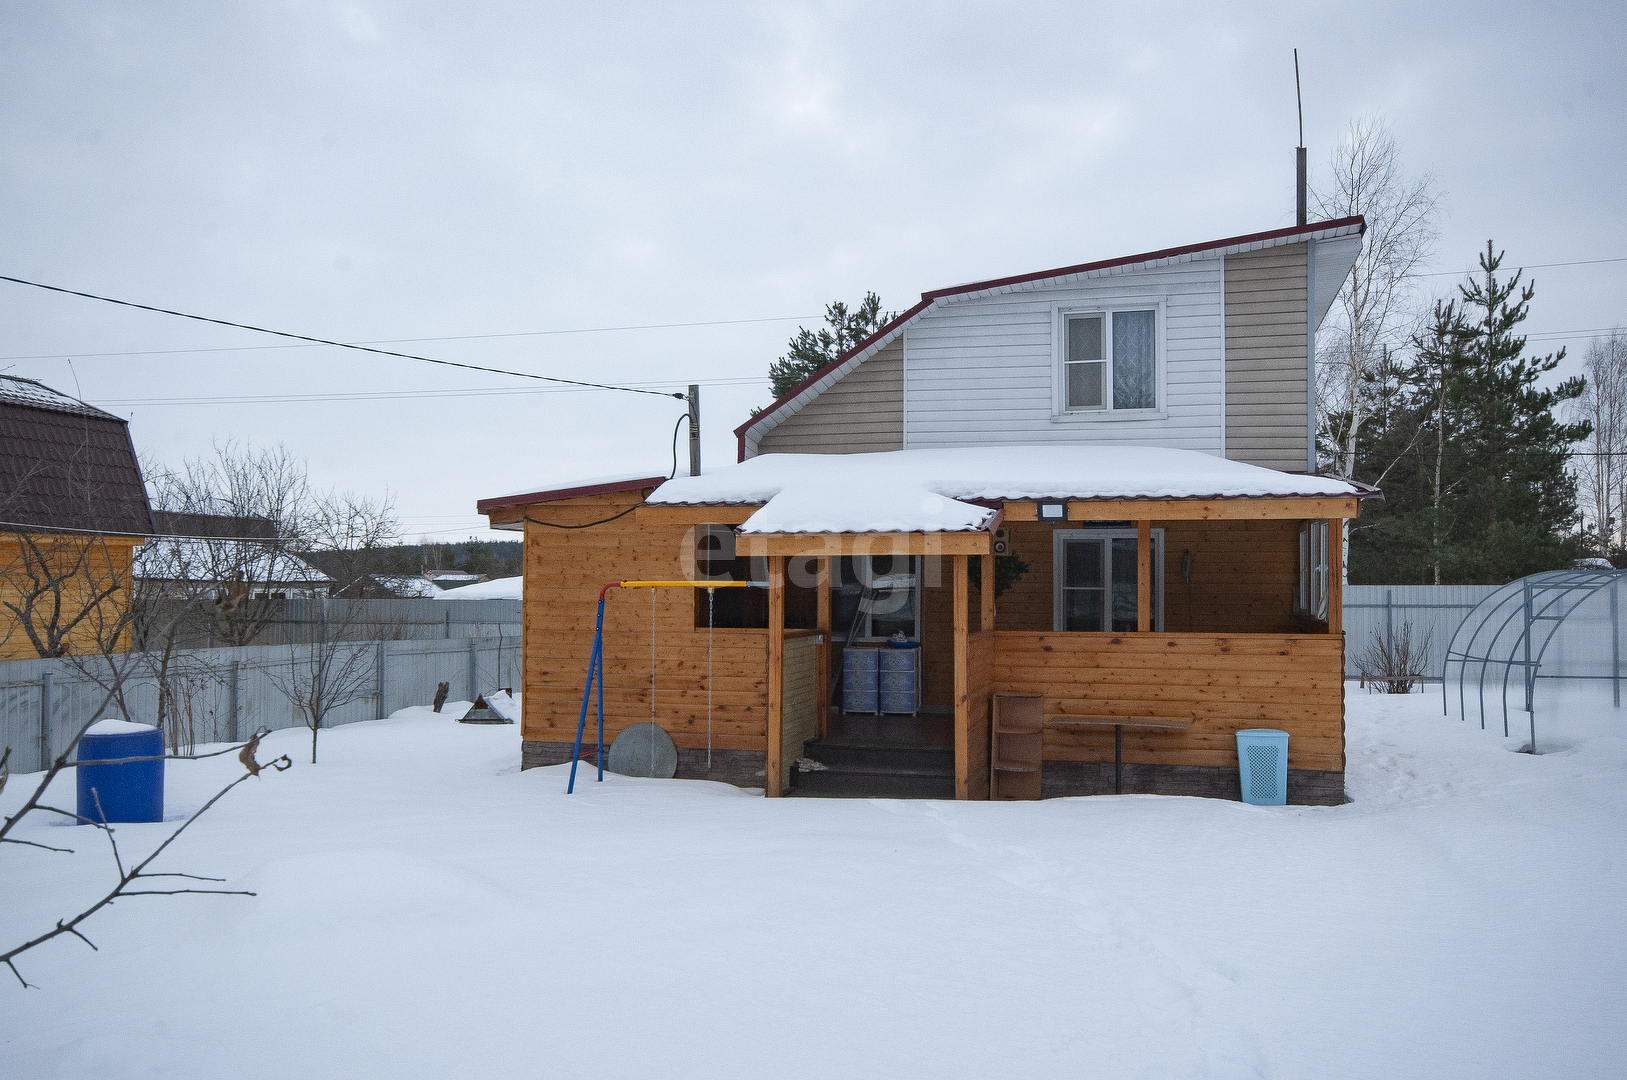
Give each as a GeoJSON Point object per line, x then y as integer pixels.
{"type": "Point", "coordinates": [866, 574]}
{"type": "Point", "coordinates": [1061, 411]}
{"type": "Point", "coordinates": [1311, 593]}
{"type": "Point", "coordinates": [1060, 537]}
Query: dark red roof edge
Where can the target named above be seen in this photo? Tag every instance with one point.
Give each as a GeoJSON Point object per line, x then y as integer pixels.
{"type": "Point", "coordinates": [558, 494]}
{"type": "Point", "coordinates": [995, 283]}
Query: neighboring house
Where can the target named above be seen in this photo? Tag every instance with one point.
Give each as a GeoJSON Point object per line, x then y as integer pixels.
{"type": "Point", "coordinates": [194, 567]}
{"type": "Point", "coordinates": [1127, 446]}
{"type": "Point", "coordinates": [390, 587]}
{"type": "Point", "coordinates": [73, 509]}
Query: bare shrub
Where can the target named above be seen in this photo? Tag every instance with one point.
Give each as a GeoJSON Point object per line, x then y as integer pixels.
{"type": "Point", "coordinates": [1396, 662]}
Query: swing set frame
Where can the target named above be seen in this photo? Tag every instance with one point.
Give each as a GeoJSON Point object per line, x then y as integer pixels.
{"type": "Point", "coordinates": [596, 660]}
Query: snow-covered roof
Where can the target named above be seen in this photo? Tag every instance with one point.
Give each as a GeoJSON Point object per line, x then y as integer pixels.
{"type": "Point", "coordinates": [504, 588]}
{"type": "Point", "coordinates": [19, 391]}
{"type": "Point", "coordinates": [573, 489]}
{"type": "Point", "coordinates": [922, 490]}
{"type": "Point", "coordinates": [407, 586]}
{"type": "Point", "coordinates": [220, 560]}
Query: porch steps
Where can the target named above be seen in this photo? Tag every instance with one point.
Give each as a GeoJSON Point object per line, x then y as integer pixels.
{"type": "Point", "coordinates": [865, 760]}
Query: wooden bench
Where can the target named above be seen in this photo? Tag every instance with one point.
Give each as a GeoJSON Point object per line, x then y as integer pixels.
{"type": "Point", "coordinates": [1118, 724]}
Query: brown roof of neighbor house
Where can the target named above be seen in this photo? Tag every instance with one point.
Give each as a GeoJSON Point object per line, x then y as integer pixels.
{"type": "Point", "coordinates": [213, 526]}
{"type": "Point", "coordinates": [66, 466]}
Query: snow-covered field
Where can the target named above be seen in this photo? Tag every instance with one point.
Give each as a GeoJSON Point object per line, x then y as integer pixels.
{"type": "Point", "coordinates": [427, 910]}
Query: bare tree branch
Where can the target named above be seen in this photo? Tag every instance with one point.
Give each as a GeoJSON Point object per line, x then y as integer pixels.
{"type": "Point", "coordinates": [138, 872]}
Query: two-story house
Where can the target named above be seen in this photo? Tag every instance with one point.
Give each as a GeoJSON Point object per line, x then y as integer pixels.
{"type": "Point", "coordinates": [1090, 488]}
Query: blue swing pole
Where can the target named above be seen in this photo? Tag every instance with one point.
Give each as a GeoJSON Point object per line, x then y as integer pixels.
{"type": "Point", "coordinates": [596, 662]}
{"type": "Point", "coordinates": [595, 666]}
{"type": "Point", "coordinates": [601, 754]}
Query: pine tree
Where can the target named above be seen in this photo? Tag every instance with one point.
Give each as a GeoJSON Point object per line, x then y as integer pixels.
{"type": "Point", "coordinates": [1516, 505]}
{"type": "Point", "coordinates": [809, 351]}
{"type": "Point", "coordinates": [1472, 455]}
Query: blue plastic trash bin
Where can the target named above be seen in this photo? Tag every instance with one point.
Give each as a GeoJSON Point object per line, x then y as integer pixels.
{"type": "Point", "coordinates": [131, 791]}
{"type": "Point", "coordinates": [1262, 762]}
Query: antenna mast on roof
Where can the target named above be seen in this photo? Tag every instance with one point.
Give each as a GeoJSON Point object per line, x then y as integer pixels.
{"type": "Point", "coordinates": [1299, 151]}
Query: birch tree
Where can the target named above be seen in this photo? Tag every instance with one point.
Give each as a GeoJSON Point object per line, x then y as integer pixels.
{"type": "Point", "coordinates": [1602, 463]}
{"type": "Point", "coordinates": [1374, 312]}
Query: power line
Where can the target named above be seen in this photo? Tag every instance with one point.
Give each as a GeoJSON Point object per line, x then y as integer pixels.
{"type": "Point", "coordinates": [406, 341]}
{"type": "Point", "coordinates": [336, 344]}
{"type": "Point", "coordinates": [381, 395]}
{"type": "Point", "coordinates": [1528, 266]}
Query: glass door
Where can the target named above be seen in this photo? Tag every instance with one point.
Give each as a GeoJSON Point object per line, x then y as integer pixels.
{"type": "Point", "coordinates": [1095, 585]}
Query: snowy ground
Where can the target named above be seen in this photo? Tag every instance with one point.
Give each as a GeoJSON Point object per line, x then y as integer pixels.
{"type": "Point", "coordinates": [427, 910]}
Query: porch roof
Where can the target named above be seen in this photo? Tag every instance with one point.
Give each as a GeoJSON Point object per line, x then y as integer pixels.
{"type": "Point", "coordinates": [931, 491]}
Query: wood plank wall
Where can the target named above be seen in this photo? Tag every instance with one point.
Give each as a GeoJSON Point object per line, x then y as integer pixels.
{"type": "Point", "coordinates": [564, 570]}
{"type": "Point", "coordinates": [1242, 581]}
{"type": "Point", "coordinates": [801, 696]}
{"type": "Point", "coordinates": [861, 413]}
{"type": "Point", "coordinates": [980, 681]}
{"type": "Point", "coordinates": [85, 569]}
{"type": "Point", "coordinates": [1225, 683]}
{"type": "Point", "coordinates": [1266, 388]}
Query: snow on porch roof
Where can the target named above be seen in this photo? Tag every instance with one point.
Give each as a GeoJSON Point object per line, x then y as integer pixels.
{"type": "Point", "coordinates": [921, 490]}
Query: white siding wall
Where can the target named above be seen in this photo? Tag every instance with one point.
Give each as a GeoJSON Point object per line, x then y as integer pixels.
{"type": "Point", "coordinates": [978, 371]}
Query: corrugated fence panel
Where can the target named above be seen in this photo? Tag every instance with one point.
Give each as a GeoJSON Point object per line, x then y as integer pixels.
{"type": "Point", "coordinates": [206, 683]}
{"type": "Point", "coordinates": [1374, 613]}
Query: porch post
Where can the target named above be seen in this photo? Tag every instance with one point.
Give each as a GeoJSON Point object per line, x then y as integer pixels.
{"type": "Point", "coordinates": [1143, 576]}
{"type": "Point", "coordinates": [773, 768]}
{"type": "Point", "coordinates": [822, 655]}
{"type": "Point", "coordinates": [963, 712]}
{"type": "Point", "coordinates": [1336, 575]}
{"type": "Point", "coordinates": [986, 595]}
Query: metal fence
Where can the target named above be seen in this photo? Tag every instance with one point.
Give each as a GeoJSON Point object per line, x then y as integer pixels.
{"type": "Point", "coordinates": [304, 622]}
{"type": "Point", "coordinates": [226, 694]}
{"type": "Point", "coordinates": [1375, 613]}
{"type": "Point", "coordinates": [300, 621]}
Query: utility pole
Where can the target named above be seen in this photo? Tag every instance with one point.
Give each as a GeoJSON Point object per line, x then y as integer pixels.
{"type": "Point", "coordinates": [694, 429]}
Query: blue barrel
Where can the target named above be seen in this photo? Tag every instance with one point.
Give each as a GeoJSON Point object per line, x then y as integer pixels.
{"type": "Point", "coordinates": [1262, 762]}
{"type": "Point", "coordinates": [132, 791]}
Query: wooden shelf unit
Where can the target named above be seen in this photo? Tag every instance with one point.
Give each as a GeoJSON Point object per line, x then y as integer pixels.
{"type": "Point", "coordinates": [1016, 756]}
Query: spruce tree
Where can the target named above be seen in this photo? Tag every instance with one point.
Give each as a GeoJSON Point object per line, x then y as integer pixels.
{"type": "Point", "coordinates": [1517, 503]}
{"type": "Point", "coordinates": [809, 351]}
{"type": "Point", "coordinates": [1473, 460]}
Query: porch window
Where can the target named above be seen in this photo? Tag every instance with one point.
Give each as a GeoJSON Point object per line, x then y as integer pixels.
{"type": "Point", "coordinates": [1110, 360]}
{"type": "Point", "coordinates": [1094, 579]}
{"type": "Point", "coordinates": [1311, 592]}
{"type": "Point", "coordinates": [897, 607]}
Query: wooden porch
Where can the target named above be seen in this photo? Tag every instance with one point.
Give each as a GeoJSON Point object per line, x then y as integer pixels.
{"type": "Point", "coordinates": [1214, 643]}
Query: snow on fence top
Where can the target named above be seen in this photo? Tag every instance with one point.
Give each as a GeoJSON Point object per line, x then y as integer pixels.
{"type": "Point", "coordinates": [920, 490]}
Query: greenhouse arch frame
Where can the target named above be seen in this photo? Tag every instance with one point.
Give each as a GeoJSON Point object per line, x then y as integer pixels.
{"type": "Point", "coordinates": [1513, 630]}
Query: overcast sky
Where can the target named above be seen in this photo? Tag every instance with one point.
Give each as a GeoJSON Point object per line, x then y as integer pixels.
{"type": "Point", "coordinates": [471, 180]}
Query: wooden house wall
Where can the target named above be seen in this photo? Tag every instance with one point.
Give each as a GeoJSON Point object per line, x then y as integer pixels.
{"type": "Point", "coordinates": [1295, 684]}
{"type": "Point", "coordinates": [564, 570]}
{"type": "Point", "coordinates": [1267, 387]}
{"type": "Point", "coordinates": [98, 562]}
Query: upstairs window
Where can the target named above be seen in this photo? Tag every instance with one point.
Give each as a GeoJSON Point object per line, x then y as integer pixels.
{"type": "Point", "coordinates": [1110, 361]}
